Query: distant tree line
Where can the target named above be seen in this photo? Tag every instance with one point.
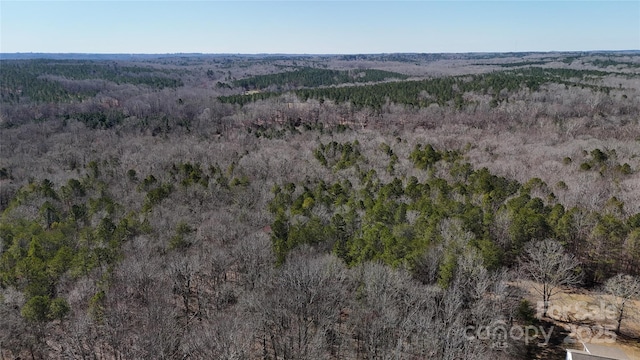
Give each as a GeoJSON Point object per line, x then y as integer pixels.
{"type": "Point", "coordinates": [442, 91]}
{"type": "Point", "coordinates": [29, 79]}
{"type": "Point", "coordinates": [311, 77]}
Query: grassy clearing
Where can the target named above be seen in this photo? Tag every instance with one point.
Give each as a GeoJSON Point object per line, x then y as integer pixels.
{"type": "Point", "coordinates": [588, 316]}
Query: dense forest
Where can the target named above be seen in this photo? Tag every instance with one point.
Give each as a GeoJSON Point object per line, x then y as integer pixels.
{"type": "Point", "coordinates": [310, 77]}
{"type": "Point", "coordinates": [317, 207]}
{"type": "Point", "coordinates": [441, 91]}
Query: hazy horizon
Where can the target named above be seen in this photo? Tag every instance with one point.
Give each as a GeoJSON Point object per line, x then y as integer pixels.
{"type": "Point", "coordinates": [315, 54]}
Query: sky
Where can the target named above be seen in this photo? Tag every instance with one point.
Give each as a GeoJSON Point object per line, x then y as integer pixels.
{"type": "Point", "coordinates": [317, 27]}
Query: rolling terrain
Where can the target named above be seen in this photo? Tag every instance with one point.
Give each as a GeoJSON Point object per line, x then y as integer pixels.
{"type": "Point", "coordinates": [314, 206]}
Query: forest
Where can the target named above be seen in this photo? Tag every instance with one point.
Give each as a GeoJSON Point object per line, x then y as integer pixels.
{"type": "Point", "coordinates": [391, 206]}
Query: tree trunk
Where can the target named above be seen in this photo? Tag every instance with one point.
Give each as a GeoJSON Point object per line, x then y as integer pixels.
{"type": "Point", "coordinates": [545, 299]}
{"type": "Point", "coordinates": [620, 315]}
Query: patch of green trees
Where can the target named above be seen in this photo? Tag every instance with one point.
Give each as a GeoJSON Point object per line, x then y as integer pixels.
{"type": "Point", "coordinates": [396, 222]}
{"type": "Point", "coordinates": [312, 77]}
{"type": "Point", "coordinates": [78, 228]}
{"type": "Point", "coordinates": [32, 79]}
{"type": "Point", "coordinates": [444, 91]}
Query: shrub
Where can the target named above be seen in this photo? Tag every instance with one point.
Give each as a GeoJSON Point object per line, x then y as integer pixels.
{"type": "Point", "coordinates": [526, 313]}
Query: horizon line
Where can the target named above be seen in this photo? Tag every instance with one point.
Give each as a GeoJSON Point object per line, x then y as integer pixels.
{"type": "Point", "coordinates": [312, 54]}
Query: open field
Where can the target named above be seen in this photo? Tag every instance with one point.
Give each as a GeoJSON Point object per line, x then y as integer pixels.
{"type": "Point", "coordinates": [589, 316]}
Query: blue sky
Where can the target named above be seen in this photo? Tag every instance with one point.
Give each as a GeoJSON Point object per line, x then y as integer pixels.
{"type": "Point", "coordinates": [317, 27]}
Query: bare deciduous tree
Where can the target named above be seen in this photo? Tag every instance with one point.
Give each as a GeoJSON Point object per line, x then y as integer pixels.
{"type": "Point", "coordinates": [623, 288]}
{"type": "Point", "coordinates": [550, 267]}
{"type": "Point", "coordinates": [300, 307]}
